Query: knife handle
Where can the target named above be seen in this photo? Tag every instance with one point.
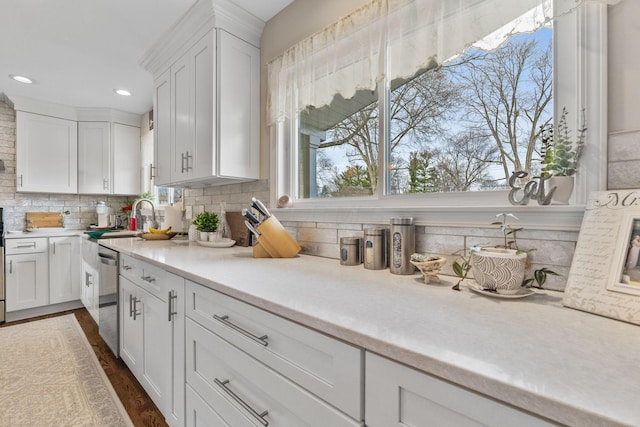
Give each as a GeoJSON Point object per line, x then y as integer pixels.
{"type": "Point", "coordinates": [250, 216]}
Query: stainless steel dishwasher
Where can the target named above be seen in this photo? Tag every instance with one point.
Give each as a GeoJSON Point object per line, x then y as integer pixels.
{"type": "Point", "coordinates": [108, 298]}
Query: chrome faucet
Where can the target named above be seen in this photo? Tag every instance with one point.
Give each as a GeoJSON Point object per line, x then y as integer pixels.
{"type": "Point", "coordinates": [134, 208]}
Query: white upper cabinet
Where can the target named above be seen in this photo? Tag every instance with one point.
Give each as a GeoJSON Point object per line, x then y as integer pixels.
{"type": "Point", "coordinates": [207, 99]}
{"type": "Point", "coordinates": [108, 158]}
{"type": "Point", "coordinates": [213, 107]}
{"type": "Point", "coordinates": [127, 162]}
{"type": "Point", "coordinates": [94, 162]}
{"type": "Point", "coordinates": [46, 154]}
{"type": "Point", "coordinates": [161, 169]}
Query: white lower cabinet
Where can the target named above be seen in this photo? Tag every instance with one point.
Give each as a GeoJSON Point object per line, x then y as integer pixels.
{"type": "Point", "coordinates": [41, 271]}
{"type": "Point", "coordinates": [27, 281]}
{"type": "Point", "coordinates": [152, 334]}
{"type": "Point", "coordinates": [243, 391]}
{"type": "Point", "coordinates": [64, 269]}
{"type": "Point", "coordinates": [400, 396]}
{"type": "Point", "coordinates": [252, 367]}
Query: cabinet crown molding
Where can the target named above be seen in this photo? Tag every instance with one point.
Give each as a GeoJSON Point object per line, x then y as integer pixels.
{"type": "Point", "coordinates": [203, 16]}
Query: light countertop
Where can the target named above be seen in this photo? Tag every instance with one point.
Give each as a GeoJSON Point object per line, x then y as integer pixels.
{"type": "Point", "coordinates": [572, 367]}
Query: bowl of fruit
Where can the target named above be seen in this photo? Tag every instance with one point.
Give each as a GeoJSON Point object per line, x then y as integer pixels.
{"type": "Point", "coordinates": [158, 234]}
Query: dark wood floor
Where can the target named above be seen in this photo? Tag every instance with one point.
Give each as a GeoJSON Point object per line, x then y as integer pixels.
{"type": "Point", "coordinates": [142, 411]}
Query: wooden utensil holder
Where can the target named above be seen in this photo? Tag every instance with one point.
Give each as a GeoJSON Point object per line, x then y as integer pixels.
{"type": "Point", "coordinates": [274, 241]}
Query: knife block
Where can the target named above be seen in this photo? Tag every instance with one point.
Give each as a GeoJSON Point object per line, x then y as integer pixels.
{"type": "Point", "coordinates": [274, 241]}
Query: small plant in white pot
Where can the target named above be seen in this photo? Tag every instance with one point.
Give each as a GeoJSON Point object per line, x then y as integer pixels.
{"type": "Point", "coordinates": [560, 156]}
{"type": "Point", "coordinates": [500, 268]}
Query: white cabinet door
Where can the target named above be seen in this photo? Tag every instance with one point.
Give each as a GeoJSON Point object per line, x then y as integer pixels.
{"type": "Point", "coordinates": [131, 310]}
{"type": "Point", "coordinates": [64, 269]}
{"type": "Point", "coordinates": [238, 93]}
{"type": "Point", "coordinates": [127, 167]}
{"type": "Point", "coordinates": [155, 375]}
{"type": "Point", "coordinates": [46, 154]}
{"type": "Point", "coordinates": [202, 61]}
{"type": "Point", "coordinates": [27, 281]}
{"type": "Point", "coordinates": [152, 333]}
{"type": "Point", "coordinates": [162, 130]}
{"type": "Point", "coordinates": [181, 131]}
{"type": "Point", "coordinates": [94, 165]}
{"type": "Point", "coordinates": [400, 396]}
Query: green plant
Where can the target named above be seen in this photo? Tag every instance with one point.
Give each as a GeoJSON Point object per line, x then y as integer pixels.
{"type": "Point", "coordinates": [560, 155]}
{"type": "Point", "coordinates": [461, 269]}
{"type": "Point", "coordinates": [206, 221]}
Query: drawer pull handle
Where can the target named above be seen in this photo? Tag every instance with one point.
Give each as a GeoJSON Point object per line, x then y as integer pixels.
{"type": "Point", "coordinates": [26, 245]}
{"type": "Point", "coordinates": [245, 405]}
{"type": "Point", "coordinates": [170, 304]}
{"type": "Point", "coordinates": [260, 340]}
{"type": "Point", "coordinates": [130, 305]}
{"type": "Point", "coordinates": [149, 279]}
{"type": "Point", "coordinates": [126, 267]}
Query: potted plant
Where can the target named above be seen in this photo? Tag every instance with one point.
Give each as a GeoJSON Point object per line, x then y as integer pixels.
{"type": "Point", "coordinates": [206, 223]}
{"type": "Point", "coordinates": [502, 267]}
{"type": "Point", "coordinates": [560, 156]}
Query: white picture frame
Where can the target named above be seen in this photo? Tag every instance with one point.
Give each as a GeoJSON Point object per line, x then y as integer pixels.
{"type": "Point", "coordinates": [597, 281]}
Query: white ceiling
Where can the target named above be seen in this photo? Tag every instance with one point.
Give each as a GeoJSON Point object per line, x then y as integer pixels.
{"type": "Point", "coordinates": [78, 51]}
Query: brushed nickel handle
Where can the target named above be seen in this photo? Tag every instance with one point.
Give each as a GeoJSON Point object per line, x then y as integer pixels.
{"type": "Point", "coordinates": [10, 266]}
{"type": "Point", "coordinates": [130, 305]}
{"type": "Point", "coordinates": [262, 340]}
{"type": "Point", "coordinates": [151, 169]}
{"type": "Point", "coordinates": [255, 414]}
{"type": "Point", "coordinates": [136, 313]}
{"type": "Point", "coordinates": [189, 156]}
{"type": "Point", "coordinates": [105, 184]}
{"type": "Point", "coordinates": [126, 267]}
{"type": "Point", "coordinates": [149, 279]}
{"type": "Point", "coordinates": [183, 169]}
{"type": "Point", "coordinates": [170, 304]}
{"type": "Point", "coordinates": [20, 179]}
{"type": "Point", "coordinates": [53, 247]}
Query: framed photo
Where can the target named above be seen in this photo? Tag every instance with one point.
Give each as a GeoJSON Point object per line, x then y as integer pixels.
{"type": "Point", "coordinates": [625, 276]}
{"type": "Point", "coordinates": [604, 277]}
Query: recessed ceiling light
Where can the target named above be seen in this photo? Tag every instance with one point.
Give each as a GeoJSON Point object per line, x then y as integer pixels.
{"type": "Point", "coordinates": [122, 92]}
{"type": "Point", "coordinates": [21, 79]}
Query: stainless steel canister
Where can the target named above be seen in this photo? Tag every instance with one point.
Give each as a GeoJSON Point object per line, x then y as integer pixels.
{"type": "Point", "coordinates": [402, 245]}
{"type": "Point", "coordinates": [375, 248]}
{"type": "Point", "coordinates": [350, 250]}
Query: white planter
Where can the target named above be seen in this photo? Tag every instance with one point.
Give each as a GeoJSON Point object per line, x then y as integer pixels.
{"type": "Point", "coordinates": [563, 191]}
{"type": "Point", "coordinates": [499, 269]}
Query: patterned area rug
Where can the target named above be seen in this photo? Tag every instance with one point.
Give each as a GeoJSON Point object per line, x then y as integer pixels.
{"type": "Point", "coordinates": [50, 376]}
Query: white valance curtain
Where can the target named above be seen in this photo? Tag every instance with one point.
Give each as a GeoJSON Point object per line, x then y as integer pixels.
{"type": "Point", "coordinates": [392, 39]}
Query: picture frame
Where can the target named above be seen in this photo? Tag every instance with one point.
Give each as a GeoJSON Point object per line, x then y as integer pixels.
{"type": "Point", "coordinates": [625, 276]}
{"type": "Point", "coordinates": [599, 281]}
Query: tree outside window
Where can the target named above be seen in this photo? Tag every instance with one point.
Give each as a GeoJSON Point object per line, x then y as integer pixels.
{"type": "Point", "coordinates": [465, 125]}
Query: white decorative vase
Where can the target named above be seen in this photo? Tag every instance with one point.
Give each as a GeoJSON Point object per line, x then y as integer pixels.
{"type": "Point", "coordinates": [563, 191]}
{"type": "Point", "coordinates": [203, 236]}
{"type": "Point", "coordinates": [499, 269]}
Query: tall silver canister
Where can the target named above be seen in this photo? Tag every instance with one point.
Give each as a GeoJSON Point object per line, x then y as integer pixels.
{"type": "Point", "coordinates": [402, 244]}
{"type": "Point", "coordinates": [350, 250]}
{"type": "Point", "coordinates": [375, 248]}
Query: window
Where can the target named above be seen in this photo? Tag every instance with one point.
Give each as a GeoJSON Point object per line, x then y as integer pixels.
{"type": "Point", "coordinates": [431, 133]}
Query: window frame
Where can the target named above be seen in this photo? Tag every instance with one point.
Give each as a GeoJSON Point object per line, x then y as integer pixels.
{"type": "Point", "coordinates": [579, 49]}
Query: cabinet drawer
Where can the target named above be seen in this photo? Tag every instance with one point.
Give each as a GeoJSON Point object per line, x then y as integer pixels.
{"type": "Point", "coordinates": [25, 246]}
{"type": "Point", "coordinates": [401, 396]}
{"type": "Point", "coordinates": [325, 366]}
{"type": "Point", "coordinates": [240, 388]}
{"type": "Point", "coordinates": [152, 279]}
